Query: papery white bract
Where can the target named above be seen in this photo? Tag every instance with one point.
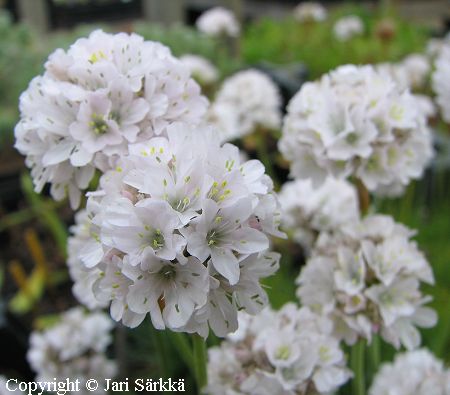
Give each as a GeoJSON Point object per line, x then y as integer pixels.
{"type": "Point", "coordinates": [105, 92]}
{"type": "Point", "coordinates": [291, 351]}
{"type": "Point", "coordinates": [247, 100]}
{"type": "Point", "coordinates": [441, 81]}
{"type": "Point", "coordinates": [348, 27]}
{"type": "Point", "coordinates": [356, 122]}
{"type": "Point", "coordinates": [74, 348]}
{"type": "Point", "coordinates": [309, 211]}
{"type": "Point", "coordinates": [179, 230]}
{"type": "Point", "coordinates": [367, 277]}
{"type": "Point", "coordinates": [310, 11]}
{"type": "Point", "coordinates": [218, 21]}
{"type": "Point", "coordinates": [412, 373]}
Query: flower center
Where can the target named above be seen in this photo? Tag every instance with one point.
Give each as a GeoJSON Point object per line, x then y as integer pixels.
{"type": "Point", "coordinates": [98, 124]}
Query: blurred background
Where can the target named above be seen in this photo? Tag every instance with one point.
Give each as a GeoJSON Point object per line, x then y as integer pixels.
{"type": "Point", "coordinates": [34, 282]}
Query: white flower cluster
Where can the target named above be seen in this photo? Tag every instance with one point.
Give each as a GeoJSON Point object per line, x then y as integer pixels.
{"type": "Point", "coordinates": [348, 27]}
{"type": "Point", "coordinates": [202, 70]}
{"type": "Point", "coordinates": [310, 11]}
{"type": "Point", "coordinates": [73, 348]}
{"type": "Point", "coordinates": [218, 21]}
{"type": "Point", "coordinates": [246, 100]}
{"type": "Point", "coordinates": [308, 211]}
{"type": "Point", "coordinates": [367, 277]}
{"type": "Point", "coordinates": [105, 92]}
{"type": "Point", "coordinates": [441, 81]}
{"type": "Point", "coordinates": [286, 352]}
{"type": "Point", "coordinates": [412, 373]}
{"type": "Point", "coordinates": [356, 122]}
{"type": "Point", "coordinates": [179, 231]}
{"type": "Point", "coordinates": [410, 73]}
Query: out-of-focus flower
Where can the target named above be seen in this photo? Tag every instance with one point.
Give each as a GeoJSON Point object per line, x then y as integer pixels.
{"type": "Point", "coordinates": [310, 11]}
{"type": "Point", "coordinates": [412, 373]}
{"type": "Point", "coordinates": [73, 349]}
{"type": "Point", "coordinates": [307, 212]}
{"type": "Point", "coordinates": [441, 81]}
{"type": "Point", "coordinates": [218, 21]}
{"type": "Point", "coordinates": [288, 352]}
{"type": "Point", "coordinates": [356, 122]}
{"type": "Point", "coordinates": [253, 98]}
{"type": "Point", "coordinates": [202, 70]}
{"type": "Point", "coordinates": [348, 27]}
{"type": "Point", "coordinates": [105, 92]}
{"type": "Point", "coordinates": [367, 277]}
{"type": "Point", "coordinates": [411, 73]}
{"type": "Point", "coordinates": [179, 231]}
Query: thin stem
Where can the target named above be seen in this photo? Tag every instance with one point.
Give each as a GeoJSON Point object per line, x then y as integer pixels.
{"type": "Point", "coordinates": [357, 365]}
{"type": "Point", "coordinates": [200, 362]}
{"type": "Point", "coordinates": [184, 348]}
{"type": "Point", "coordinates": [374, 352]}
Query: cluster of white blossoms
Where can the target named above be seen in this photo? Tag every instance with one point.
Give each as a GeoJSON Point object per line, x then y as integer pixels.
{"type": "Point", "coordinates": [356, 122]}
{"type": "Point", "coordinates": [348, 27]}
{"type": "Point", "coordinates": [73, 348]}
{"type": "Point", "coordinates": [367, 277]}
{"type": "Point", "coordinates": [105, 92]}
{"type": "Point", "coordinates": [412, 373]}
{"type": "Point", "coordinates": [201, 69]}
{"type": "Point", "coordinates": [179, 230]}
{"type": "Point", "coordinates": [310, 11]}
{"type": "Point", "coordinates": [218, 21]}
{"type": "Point", "coordinates": [308, 211]}
{"type": "Point", "coordinates": [441, 81]}
{"type": "Point", "coordinates": [286, 352]}
{"type": "Point", "coordinates": [247, 100]}
{"type": "Point", "coordinates": [410, 73]}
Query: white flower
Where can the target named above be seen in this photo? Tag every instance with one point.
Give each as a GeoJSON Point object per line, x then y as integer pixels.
{"type": "Point", "coordinates": [367, 277]}
{"type": "Point", "coordinates": [356, 121]}
{"type": "Point", "coordinates": [74, 348]}
{"type": "Point", "coordinates": [201, 69]}
{"type": "Point", "coordinates": [179, 230]}
{"type": "Point", "coordinates": [441, 82]}
{"type": "Point", "coordinates": [307, 211]}
{"type": "Point", "coordinates": [308, 11]}
{"type": "Point", "coordinates": [412, 373]}
{"type": "Point", "coordinates": [253, 98]}
{"type": "Point", "coordinates": [291, 351]}
{"type": "Point", "coordinates": [348, 27]}
{"type": "Point", "coordinates": [218, 21]}
{"type": "Point", "coordinates": [105, 92]}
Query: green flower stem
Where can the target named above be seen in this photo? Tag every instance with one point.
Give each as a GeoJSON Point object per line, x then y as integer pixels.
{"type": "Point", "coordinates": [357, 365]}
{"type": "Point", "coordinates": [181, 342]}
{"type": "Point", "coordinates": [200, 362]}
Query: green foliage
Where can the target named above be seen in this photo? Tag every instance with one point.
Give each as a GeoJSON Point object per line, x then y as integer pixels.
{"type": "Point", "coordinates": [287, 40]}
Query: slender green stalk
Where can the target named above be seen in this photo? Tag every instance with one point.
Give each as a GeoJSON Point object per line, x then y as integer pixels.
{"type": "Point", "coordinates": [357, 365]}
{"type": "Point", "coordinates": [374, 355]}
{"type": "Point", "coordinates": [200, 362]}
{"type": "Point", "coordinates": [184, 349]}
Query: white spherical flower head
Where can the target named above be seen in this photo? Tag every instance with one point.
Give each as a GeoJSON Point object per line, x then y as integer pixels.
{"type": "Point", "coordinates": [412, 373]}
{"type": "Point", "coordinates": [201, 69]}
{"type": "Point", "coordinates": [308, 211]}
{"type": "Point", "coordinates": [218, 21]}
{"type": "Point", "coordinates": [356, 122]}
{"type": "Point", "coordinates": [441, 82]}
{"type": "Point", "coordinates": [105, 92]}
{"type": "Point", "coordinates": [367, 277]}
{"type": "Point", "coordinates": [248, 99]}
{"type": "Point", "coordinates": [179, 230]}
{"type": "Point", "coordinates": [310, 11]}
{"type": "Point", "coordinates": [348, 27]}
{"type": "Point", "coordinates": [291, 351]}
{"type": "Point", "coordinates": [74, 348]}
